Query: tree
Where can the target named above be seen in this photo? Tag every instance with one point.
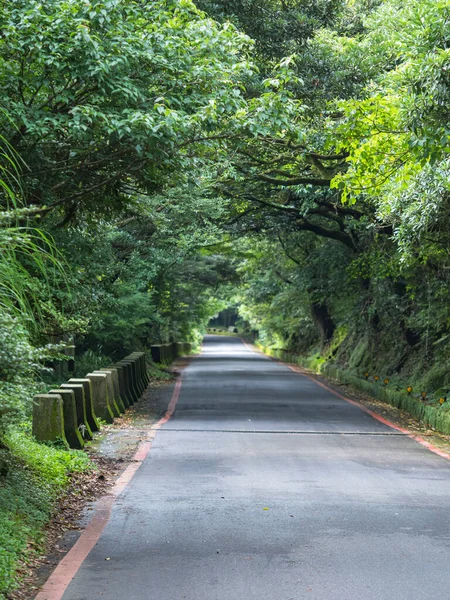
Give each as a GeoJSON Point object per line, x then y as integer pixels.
{"type": "Point", "coordinates": [108, 96]}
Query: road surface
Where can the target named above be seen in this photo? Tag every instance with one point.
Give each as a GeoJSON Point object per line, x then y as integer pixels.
{"type": "Point", "coordinates": [263, 485]}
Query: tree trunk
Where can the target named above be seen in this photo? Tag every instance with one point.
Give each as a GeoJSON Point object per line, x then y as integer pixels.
{"type": "Point", "coordinates": [323, 321]}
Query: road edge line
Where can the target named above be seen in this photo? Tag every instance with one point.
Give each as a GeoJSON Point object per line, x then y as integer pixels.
{"type": "Point", "coordinates": [59, 580]}
{"type": "Point", "coordinates": [412, 436]}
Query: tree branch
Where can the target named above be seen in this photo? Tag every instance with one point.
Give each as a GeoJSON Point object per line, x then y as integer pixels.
{"type": "Point", "coordinates": [295, 181]}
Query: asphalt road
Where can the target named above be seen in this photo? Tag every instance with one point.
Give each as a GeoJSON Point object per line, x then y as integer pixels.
{"type": "Point", "coordinates": [263, 485]}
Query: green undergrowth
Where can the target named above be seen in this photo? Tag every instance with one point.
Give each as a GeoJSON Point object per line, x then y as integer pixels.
{"type": "Point", "coordinates": [429, 411]}
{"type": "Point", "coordinates": [158, 372]}
{"type": "Point", "coordinates": [33, 476]}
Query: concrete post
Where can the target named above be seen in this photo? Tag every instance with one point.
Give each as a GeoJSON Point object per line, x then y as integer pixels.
{"type": "Point", "coordinates": [88, 393]}
{"type": "Point", "coordinates": [80, 403]}
{"type": "Point", "coordinates": [137, 357]}
{"type": "Point", "coordinates": [143, 362]}
{"type": "Point", "coordinates": [143, 359]}
{"type": "Point", "coordinates": [132, 396]}
{"type": "Point", "coordinates": [48, 418]}
{"type": "Point", "coordinates": [116, 386]}
{"type": "Point", "coordinates": [126, 378]}
{"type": "Point", "coordinates": [121, 374]}
{"type": "Point", "coordinates": [100, 396]}
{"type": "Point", "coordinates": [132, 370]}
{"type": "Point", "coordinates": [156, 353]}
{"type": "Point", "coordinates": [73, 434]}
{"type": "Point", "coordinates": [136, 374]}
{"type": "Point", "coordinates": [111, 397]}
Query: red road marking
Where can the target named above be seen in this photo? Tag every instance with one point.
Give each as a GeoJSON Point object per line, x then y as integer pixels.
{"type": "Point", "coordinates": [252, 349]}
{"type": "Point", "coordinates": [170, 408]}
{"type": "Point", "coordinates": [57, 583]}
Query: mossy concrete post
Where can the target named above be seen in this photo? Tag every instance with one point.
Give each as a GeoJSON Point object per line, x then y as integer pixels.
{"type": "Point", "coordinates": [126, 373]}
{"type": "Point", "coordinates": [143, 358]}
{"type": "Point", "coordinates": [143, 366]}
{"type": "Point", "coordinates": [122, 383]}
{"type": "Point", "coordinates": [73, 434]}
{"type": "Point", "coordinates": [111, 392]}
{"type": "Point", "coordinates": [48, 418]}
{"type": "Point", "coordinates": [132, 396]}
{"type": "Point", "coordinates": [170, 354]}
{"type": "Point", "coordinates": [165, 360]}
{"type": "Point", "coordinates": [88, 395]}
{"type": "Point", "coordinates": [116, 387]}
{"type": "Point", "coordinates": [100, 396]}
{"type": "Point", "coordinates": [138, 356]}
{"type": "Point", "coordinates": [156, 353]}
{"type": "Point", "coordinates": [135, 371]}
{"type": "Point", "coordinates": [135, 367]}
{"type": "Point", "coordinates": [164, 354]}
{"type": "Point", "coordinates": [147, 376]}
{"type": "Point", "coordinates": [80, 403]}
{"type": "Point", "coordinates": [138, 374]}
{"type": "Point", "coordinates": [132, 370]}
{"type": "Point", "coordinates": [111, 396]}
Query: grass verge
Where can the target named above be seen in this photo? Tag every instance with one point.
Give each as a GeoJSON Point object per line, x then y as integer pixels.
{"type": "Point", "coordinates": [34, 476]}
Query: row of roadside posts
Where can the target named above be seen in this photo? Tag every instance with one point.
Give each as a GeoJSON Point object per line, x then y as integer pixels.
{"type": "Point", "coordinates": [72, 413]}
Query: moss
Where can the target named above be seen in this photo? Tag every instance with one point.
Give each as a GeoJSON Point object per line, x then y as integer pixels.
{"type": "Point", "coordinates": [48, 418]}
{"type": "Point", "coordinates": [358, 356]}
{"type": "Point", "coordinates": [435, 378]}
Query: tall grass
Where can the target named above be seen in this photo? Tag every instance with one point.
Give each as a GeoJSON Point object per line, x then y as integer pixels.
{"type": "Point", "coordinates": [29, 258]}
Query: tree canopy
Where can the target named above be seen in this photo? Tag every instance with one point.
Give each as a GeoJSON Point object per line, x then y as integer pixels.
{"type": "Point", "coordinates": [164, 159]}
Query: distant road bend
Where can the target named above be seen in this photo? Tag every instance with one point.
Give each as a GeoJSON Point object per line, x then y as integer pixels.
{"type": "Point", "coordinates": [264, 485]}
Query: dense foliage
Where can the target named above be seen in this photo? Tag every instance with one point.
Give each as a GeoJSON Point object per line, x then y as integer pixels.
{"type": "Point", "coordinates": [355, 207]}
{"type": "Point", "coordinates": [161, 160]}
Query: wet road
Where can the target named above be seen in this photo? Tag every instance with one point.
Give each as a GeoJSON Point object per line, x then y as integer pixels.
{"type": "Point", "coordinates": [263, 485]}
